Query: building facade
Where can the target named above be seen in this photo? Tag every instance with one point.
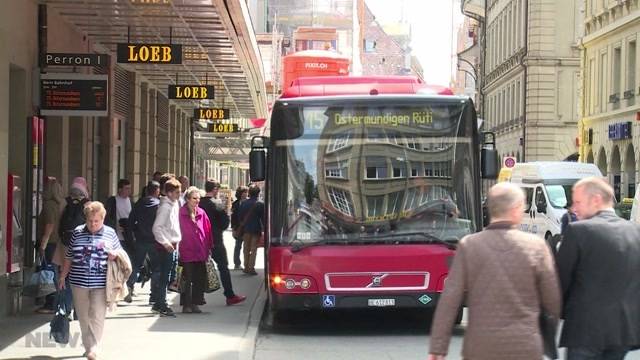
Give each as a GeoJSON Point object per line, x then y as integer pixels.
{"type": "Point", "coordinates": [143, 130]}
{"type": "Point", "coordinates": [531, 76]}
{"type": "Point", "coordinates": [610, 95]}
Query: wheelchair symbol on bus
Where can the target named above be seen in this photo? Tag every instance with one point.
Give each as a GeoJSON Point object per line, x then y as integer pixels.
{"type": "Point", "coordinates": [328, 301]}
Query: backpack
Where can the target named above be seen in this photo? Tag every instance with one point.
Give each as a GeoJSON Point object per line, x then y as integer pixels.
{"type": "Point", "coordinates": [72, 217]}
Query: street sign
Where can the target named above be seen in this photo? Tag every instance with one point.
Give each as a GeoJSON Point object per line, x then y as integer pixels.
{"type": "Point", "coordinates": [149, 53]}
{"type": "Point", "coordinates": [210, 114]}
{"type": "Point", "coordinates": [191, 92]}
{"type": "Point", "coordinates": [220, 128]}
{"type": "Point", "coordinates": [508, 161]}
{"type": "Point", "coordinates": [73, 94]}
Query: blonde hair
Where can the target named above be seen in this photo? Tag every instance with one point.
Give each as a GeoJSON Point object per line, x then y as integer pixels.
{"type": "Point", "coordinates": [593, 186]}
{"type": "Point", "coordinates": [92, 208]}
{"type": "Point", "coordinates": [192, 190]}
{"type": "Point", "coordinates": [503, 197]}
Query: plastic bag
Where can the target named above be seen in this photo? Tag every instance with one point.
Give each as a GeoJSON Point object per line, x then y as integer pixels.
{"type": "Point", "coordinates": [213, 282]}
{"type": "Point", "coordinates": [41, 282]}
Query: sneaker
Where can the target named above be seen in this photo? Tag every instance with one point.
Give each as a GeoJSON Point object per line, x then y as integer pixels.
{"type": "Point", "coordinates": [128, 298]}
{"type": "Point", "coordinates": [174, 287]}
{"type": "Point", "coordinates": [235, 299]}
{"type": "Point", "coordinates": [167, 312]}
{"type": "Point", "coordinates": [195, 309]}
{"type": "Point", "coordinates": [237, 267]}
{"type": "Point", "coordinates": [252, 272]}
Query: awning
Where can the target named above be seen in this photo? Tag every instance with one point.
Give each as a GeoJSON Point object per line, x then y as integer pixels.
{"type": "Point", "coordinates": [473, 7]}
{"type": "Point", "coordinates": [219, 45]}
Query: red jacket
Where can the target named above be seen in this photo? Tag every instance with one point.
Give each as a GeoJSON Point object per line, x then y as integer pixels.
{"type": "Point", "coordinates": [196, 240]}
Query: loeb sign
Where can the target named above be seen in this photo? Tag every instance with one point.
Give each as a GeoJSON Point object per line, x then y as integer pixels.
{"type": "Point", "coordinates": [191, 92]}
{"type": "Point", "coordinates": [150, 53]}
{"type": "Point", "coordinates": [211, 114]}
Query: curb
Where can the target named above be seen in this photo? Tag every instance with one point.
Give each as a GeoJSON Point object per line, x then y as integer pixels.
{"type": "Point", "coordinates": [250, 337]}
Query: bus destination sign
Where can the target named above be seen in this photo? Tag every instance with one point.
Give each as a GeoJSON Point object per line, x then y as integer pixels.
{"type": "Point", "coordinates": [68, 94]}
{"type": "Point", "coordinates": [191, 92]}
{"type": "Point", "coordinates": [220, 128]}
{"type": "Point", "coordinates": [150, 53]}
{"type": "Point", "coordinates": [211, 114]}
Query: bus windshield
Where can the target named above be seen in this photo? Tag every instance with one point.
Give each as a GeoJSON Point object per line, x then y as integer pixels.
{"type": "Point", "coordinates": [348, 170]}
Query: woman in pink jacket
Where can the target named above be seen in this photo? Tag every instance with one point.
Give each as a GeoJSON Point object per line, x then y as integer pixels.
{"type": "Point", "coordinates": [193, 251]}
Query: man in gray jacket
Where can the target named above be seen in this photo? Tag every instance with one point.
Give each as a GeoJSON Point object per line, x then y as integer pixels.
{"type": "Point", "coordinates": [599, 267]}
{"type": "Point", "coordinates": [506, 277]}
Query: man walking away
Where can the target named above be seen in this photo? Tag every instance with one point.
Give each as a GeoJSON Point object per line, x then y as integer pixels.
{"type": "Point", "coordinates": [598, 264]}
{"type": "Point", "coordinates": [141, 222]}
{"type": "Point", "coordinates": [241, 195]}
{"type": "Point", "coordinates": [506, 277]}
{"type": "Point", "coordinates": [214, 208]}
{"type": "Point", "coordinates": [251, 220]}
{"type": "Point", "coordinates": [166, 232]}
{"type": "Point", "coordinates": [184, 182]}
{"type": "Point", "coordinates": [118, 210]}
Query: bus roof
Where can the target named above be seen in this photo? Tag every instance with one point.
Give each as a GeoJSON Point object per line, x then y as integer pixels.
{"type": "Point", "coordinates": [360, 85]}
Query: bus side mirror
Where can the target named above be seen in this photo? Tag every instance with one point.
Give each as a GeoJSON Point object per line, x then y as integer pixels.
{"type": "Point", "coordinates": [257, 164]}
{"type": "Point", "coordinates": [489, 157]}
{"type": "Point", "coordinates": [257, 159]}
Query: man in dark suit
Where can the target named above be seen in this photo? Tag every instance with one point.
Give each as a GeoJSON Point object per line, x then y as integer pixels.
{"type": "Point", "coordinates": [599, 267]}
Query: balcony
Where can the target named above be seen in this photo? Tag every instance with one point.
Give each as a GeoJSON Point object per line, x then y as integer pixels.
{"type": "Point", "coordinates": [473, 8]}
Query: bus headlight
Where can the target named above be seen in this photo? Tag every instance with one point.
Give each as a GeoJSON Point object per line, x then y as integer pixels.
{"type": "Point", "coordinates": [305, 283]}
{"type": "Point", "coordinates": [290, 284]}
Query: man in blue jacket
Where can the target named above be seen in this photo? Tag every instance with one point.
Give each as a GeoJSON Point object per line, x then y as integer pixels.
{"type": "Point", "coordinates": [251, 215]}
{"type": "Point", "coordinates": [141, 221]}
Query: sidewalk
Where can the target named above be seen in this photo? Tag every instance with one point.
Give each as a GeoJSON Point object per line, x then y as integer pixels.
{"type": "Point", "coordinates": [133, 332]}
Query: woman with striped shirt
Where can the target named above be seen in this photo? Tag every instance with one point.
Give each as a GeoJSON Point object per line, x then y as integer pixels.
{"type": "Point", "coordinates": [92, 244]}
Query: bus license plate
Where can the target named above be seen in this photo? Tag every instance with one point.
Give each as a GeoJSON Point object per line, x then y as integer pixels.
{"type": "Point", "coordinates": [382, 302]}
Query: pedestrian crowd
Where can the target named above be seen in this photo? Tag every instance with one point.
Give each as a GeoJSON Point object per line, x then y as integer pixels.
{"type": "Point", "coordinates": [169, 236]}
{"type": "Point", "coordinates": [516, 285]}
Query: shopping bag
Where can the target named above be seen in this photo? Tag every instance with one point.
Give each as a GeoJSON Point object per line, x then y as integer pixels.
{"type": "Point", "coordinates": [60, 323]}
{"type": "Point", "coordinates": [41, 283]}
{"type": "Point", "coordinates": [213, 282]}
{"type": "Point", "coordinates": [176, 286]}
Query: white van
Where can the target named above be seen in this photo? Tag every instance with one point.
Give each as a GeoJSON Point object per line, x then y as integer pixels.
{"type": "Point", "coordinates": [547, 185]}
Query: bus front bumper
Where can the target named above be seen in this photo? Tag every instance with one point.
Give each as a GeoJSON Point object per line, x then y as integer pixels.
{"type": "Point", "coordinates": [423, 300]}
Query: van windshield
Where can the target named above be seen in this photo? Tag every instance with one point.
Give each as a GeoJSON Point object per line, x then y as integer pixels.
{"type": "Point", "coordinates": [559, 195]}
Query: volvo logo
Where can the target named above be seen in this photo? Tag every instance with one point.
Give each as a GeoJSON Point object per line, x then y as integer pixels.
{"type": "Point", "coordinates": [376, 280]}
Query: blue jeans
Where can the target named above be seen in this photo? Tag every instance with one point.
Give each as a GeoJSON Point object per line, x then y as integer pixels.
{"type": "Point", "coordinates": [596, 354]}
{"type": "Point", "coordinates": [142, 250]}
{"type": "Point", "coordinates": [162, 264]}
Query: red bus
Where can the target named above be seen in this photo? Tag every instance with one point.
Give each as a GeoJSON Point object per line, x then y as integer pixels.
{"type": "Point", "coordinates": [369, 184]}
{"type": "Point", "coordinates": [313, 63]}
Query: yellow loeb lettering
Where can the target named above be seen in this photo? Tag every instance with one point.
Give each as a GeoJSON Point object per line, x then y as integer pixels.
{"type": "Point", "coordinates": [221, 114]}
{"type": "Point", "coordinates": [203, 92]}
{"type": "Point", "coordinates": [133, 56]}
{"type": "Point", "coordinates": [155, 53]}
{"type": "Point", "coordinates": [144, 53]}
{"type": "Point", "coordinates": [166, 54]}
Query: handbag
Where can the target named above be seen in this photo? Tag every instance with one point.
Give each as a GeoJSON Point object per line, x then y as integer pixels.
{"type": "Point", "coordinates": [176, 286]}
{"type": "Point", "coordinates": [60, 323]}
{"type": "Point", "coordinates": [239, 231]}
{"type": "Point", "coordinates": [41, 282]}
{"type": "Point", "coordinates": [548, 328]}
{"type": "Point", "coordinates": [213, 282]}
